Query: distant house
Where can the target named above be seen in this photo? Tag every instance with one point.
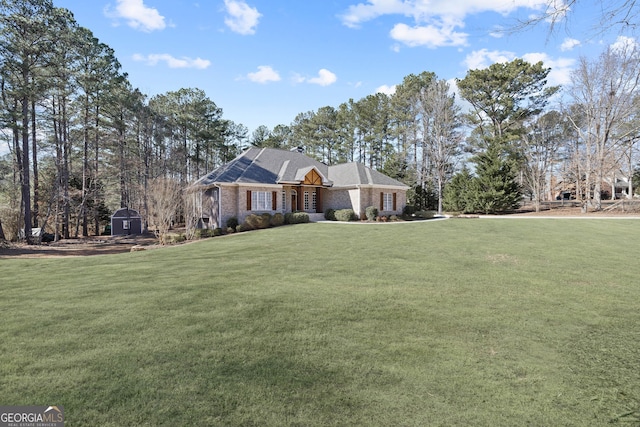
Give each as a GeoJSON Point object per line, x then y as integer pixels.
{"type": "Point", "coordinates": [619, 185]}
{"type": "Point", "coordinates": [271, 180]}
{"type": "Point", "coordinates": [126, 221]}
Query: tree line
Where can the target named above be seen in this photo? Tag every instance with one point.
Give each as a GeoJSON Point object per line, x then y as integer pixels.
{"type": "Point", "coordinates": [82, 141]}
{"type": "Point", "coordinates": [518, 137]}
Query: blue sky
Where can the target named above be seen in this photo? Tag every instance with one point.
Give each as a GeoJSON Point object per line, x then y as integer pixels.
{"type": "Point", "coordinates": [265, 61]}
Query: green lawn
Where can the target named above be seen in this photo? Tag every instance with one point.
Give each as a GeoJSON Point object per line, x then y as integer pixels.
{"type": "Point", "coordinates": [465, 322]}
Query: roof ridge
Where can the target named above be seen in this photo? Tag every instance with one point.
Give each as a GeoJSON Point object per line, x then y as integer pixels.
{"type": "Point", "coordinates": [367, 171]}
{"type": "Point", "coordinates": [283, 169]}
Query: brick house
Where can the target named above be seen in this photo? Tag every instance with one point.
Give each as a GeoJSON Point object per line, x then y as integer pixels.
{"type": "Point", "coordinates": [272, 180]}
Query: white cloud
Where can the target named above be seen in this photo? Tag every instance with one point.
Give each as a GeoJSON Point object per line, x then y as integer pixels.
{"type": "Point", "coordinates": [426, 10]}
{"type": "Point", "coordinates": [297, 78]}
{"type": "Point", "coordinates": [387, 90]}
{"type": "Point", "coordinates": [138, 15]}
{"type": "Point", "coordinates": [556, 10]}
{"type": "Point", "coordinates": [569, 44]}
{"type": "Point", "coordinates": [242, 18]}
{"type": "Point", "coordinates": [624, 44]}
{"type": "Point", "coordinates": [325, 78]}
{"type": "Point", "coordinates": [265, 74]}
{"type": "Point", "coordinates": [483, 58]}
{"type": "Point", "coordinates": [436, 22]}
{"type": "Point", "coordinates": [357, 14]}
{"type": "Point", "coordinates": [430, 36]}
{"type": "Point", "coordinates": [498, 32]}
{"type": "Point", "coordinates": [172, 62]}
{"type": "Point", "coordinates": [561, 68]}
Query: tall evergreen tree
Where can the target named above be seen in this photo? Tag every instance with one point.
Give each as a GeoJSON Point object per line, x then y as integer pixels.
{"type": "Point", "coordinates": [503, 97]}
{"type": "Point", "coordinates": [494, 189]}
{"type": "Point", "coordinates": [26, 38]}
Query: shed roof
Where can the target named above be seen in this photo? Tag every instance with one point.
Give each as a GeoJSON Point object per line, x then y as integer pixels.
{"type": "Point", "coordinates": [126, 213]}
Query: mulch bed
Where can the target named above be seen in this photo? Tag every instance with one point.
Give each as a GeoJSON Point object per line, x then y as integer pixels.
{"type": "Point", "coordinates": [76, 247]}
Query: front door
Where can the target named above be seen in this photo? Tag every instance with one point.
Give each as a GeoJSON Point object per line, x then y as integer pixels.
{"type": "Point", "coordinates": [294, 201]}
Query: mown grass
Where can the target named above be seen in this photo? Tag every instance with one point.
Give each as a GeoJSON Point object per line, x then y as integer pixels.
{"type": "Point", "coordinates": [460, 322]}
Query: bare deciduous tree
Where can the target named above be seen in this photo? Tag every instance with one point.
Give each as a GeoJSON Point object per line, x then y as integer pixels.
{"type": "Point", "coordinates": [604, 92]}
{"type": "Point", "coordinates": [443, 139]}
{"type": "Point", "coordinates": [164, 200]}
{"type": "Point", "coordinates": [540, 145]}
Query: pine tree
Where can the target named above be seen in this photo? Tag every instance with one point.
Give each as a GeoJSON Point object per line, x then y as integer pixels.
{"type": "Point", "coordinates": [494, 188]}
{"type": "Point", "coordinates": [456, 193]}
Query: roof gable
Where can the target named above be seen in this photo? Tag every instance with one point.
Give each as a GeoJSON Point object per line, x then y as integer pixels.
{"type": "Point", "coordinates": [310, 176]}
{"type": "Point", "coordinates": [313, 178]}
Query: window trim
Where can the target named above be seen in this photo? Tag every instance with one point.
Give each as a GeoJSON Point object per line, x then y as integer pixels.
{"type": "Point", "coordinates": [260, 200]}
{"type": "Point", "coordinates": [388, 202]}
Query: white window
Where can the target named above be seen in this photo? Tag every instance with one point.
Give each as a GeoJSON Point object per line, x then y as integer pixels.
{"type": "Point", "coordinates": [314, 200]}
{"type": "Point", "coordinates": [284, 201]}
{"type": "Point", "coordinates": [306, 200]}
{"type": "Point", "coordinates": [387, 204]}
{"type": "Point", "coordinates": [261, 200]}
{"type": "Point", "coordinates": [126, 224]}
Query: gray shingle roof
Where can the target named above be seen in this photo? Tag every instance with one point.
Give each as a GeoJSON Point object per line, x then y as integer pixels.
{"type": "Point", "coordinates": [351, 174]}
{"type": "Point", "coordinates": [274, 166]}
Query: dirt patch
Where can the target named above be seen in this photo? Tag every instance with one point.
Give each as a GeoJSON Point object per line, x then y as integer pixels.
{"type": "Point", "coordinates": [88, 246]}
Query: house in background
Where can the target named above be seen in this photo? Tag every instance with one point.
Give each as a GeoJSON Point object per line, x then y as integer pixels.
{"type": "Point", "coordinates": [126, 221]}
{"type": "Point", "coordinates": [619, 186]}
{"type": "Point", "coordinates": [271, 180]}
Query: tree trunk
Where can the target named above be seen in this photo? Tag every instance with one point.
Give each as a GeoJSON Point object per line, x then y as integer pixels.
{"type": "Point", "coordinates": [613, 187]}
{"type": "Point", "coordinates": [58, 163]}
{"type": "Point", "coordinates": [597, 195]}
{"type": "Point", "coordinates": [124, 202]}
{"type": "Point", "coordinates": [96, 165]}
{"type": "Point", "coordinates": [66, 149]}
{"type": "Point", "coordinates": [85, 170]}
{"type": "Point", "coordinates": [26, 179]}
{"type": "Point", "coordinates": [36, 180]}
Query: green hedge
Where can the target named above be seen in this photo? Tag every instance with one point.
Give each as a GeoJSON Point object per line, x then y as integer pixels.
{"type": "Point", "coordinates": [232, 222]}
{"type": "Point", "coordinates": [243, 227]}
{"type": "Point", "coordinates": [371, 212]}
{"type": "Point", "coordinates": [203, 233]}
{"type": "Point", "coordinates": [425, 214]}
{"type": "Point", "coordinates": [346, 215]}
{"type": "Point", "coordinates": [296, 218]}
{"type": "Point", "coordinates": [277, 220]}
{"type": "Point", "coordinates": [330, 215]}
{"type": "Point", "coordinates": [257, 222]}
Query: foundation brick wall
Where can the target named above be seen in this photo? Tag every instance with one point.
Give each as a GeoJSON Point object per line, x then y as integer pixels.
{"type": "Point", "coordinates": [234, 201]}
